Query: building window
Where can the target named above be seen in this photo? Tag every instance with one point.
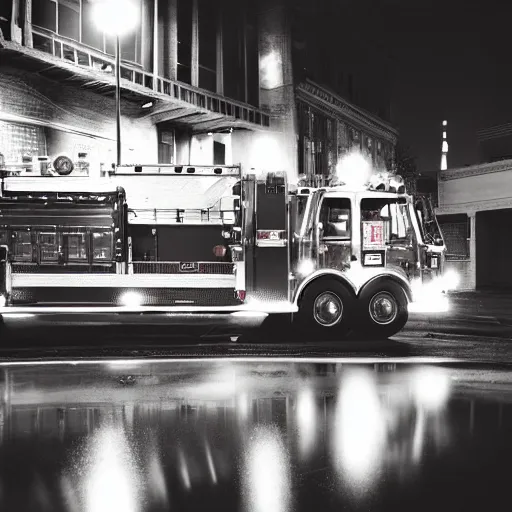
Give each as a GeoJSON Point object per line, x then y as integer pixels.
{"type": "Point", "coordinates": [233, 50]}
{"type": "Point", "coordinates": [102, 246]}
{"type": "Point", "coordinates": [91, 35]}
{"type": "Point", "coordinates": [68, 18]}
{"type": "Point", "coordinates": [60, 16]}
{"type": "Point", "coordinates": [44, 14]}
{"type": "Point", "coordinates": [19, 140]}
{"type": "Point", "coordinates": [207, 18]}
{"type": "Point", "coordinates": [74, 19]}
{"type": "Point", "coordinates": [456, 234]}
{"type": "Point", "coordinates": [165, 146]}
{"type": "Point", "coordinates": [252, 53]}
{"type": "Point", "coordinates": [185, 41]}
{"type": "Point", "coordinates": [219, 153]}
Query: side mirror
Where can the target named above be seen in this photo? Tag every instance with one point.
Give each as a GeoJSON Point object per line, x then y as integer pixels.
{"type": "Point", "coordinates": [321, 226]}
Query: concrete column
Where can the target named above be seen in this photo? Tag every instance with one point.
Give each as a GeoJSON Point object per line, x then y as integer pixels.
{"type": "Point", "coordinates": [244, 52]}
{"type": "Point", "coordinates": [28, 39]}
{"type": "Point", "coordinates": [173, 39]}
{"type": "Point", "coordinates": [220, 55]}
{"type": "Point", "coordinates": [16, 32]}
{"type": "Point", "coordinates": [472, 251]}
{"type": "Point", "coordinates": [277, 93]}
{"type": "Point", "coordinates": [194, 66]}
{"type": "Point", "coordinates": [156, 52]}
{"type": "Point", "coordinates": [146, 35]}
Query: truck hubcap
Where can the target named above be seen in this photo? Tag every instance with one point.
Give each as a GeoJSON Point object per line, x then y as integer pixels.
{"type": "Point", "coordinates": [328, 309]}
{"type": "Point", "coordinates": [383, 308]}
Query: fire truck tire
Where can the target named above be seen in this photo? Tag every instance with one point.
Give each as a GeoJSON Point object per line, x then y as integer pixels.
{"type": "Point", "coordinates": [324, 311]}
{"type": "Point", "coordinates": [382, 310]}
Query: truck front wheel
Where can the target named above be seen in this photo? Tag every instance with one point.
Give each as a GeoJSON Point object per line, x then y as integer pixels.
{"type": "Point", "coordinates": [382, 310]}
{"type": "Point", "coordinates": [325, 311]}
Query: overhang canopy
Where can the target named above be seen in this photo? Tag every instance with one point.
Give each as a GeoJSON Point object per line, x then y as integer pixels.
{"type": "Point", "coordinates": [165, 100]}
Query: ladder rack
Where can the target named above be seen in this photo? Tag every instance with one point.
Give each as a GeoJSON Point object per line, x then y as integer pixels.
{"type": "Point", "coordinates": [177, 170]}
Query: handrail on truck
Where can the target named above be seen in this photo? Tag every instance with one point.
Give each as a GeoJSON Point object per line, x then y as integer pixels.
{"type": "Point", "coordinates": [176, 170]}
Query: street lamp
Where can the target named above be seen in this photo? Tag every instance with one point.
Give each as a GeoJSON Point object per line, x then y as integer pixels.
{"type": "Point", "coordinates": [116, 17]}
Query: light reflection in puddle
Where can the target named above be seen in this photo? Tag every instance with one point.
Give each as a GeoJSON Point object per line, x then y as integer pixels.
{"type": "Point", "coordinates": [275, 438]}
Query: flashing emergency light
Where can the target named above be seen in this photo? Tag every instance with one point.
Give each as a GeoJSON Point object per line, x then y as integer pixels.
{"type": "Point", "coordinates": [387, 182]}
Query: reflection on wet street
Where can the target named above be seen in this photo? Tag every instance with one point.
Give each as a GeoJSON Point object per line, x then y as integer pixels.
{"type": "Point", "coordinates": [254, 437]}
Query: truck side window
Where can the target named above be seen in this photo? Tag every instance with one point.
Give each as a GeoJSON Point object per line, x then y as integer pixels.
{"type": "Point", "coordinates": [75, 244]}
{"type": "Point", "coordinates": [22, 245]}
{"type": "Point", "coordinates": [335, 217]}
{"type": "Point", "coordinates": [102, 246]}
{"type": "Point", "coordinates": [48, 247]}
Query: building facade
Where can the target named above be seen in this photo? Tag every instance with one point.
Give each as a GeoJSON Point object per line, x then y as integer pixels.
{"type": "Point", "coordinates": [329, 126]}
{"type": "Point", "coordinates": [342, 89]}
{"type": "Point", "coordinates": [475, 214]}
{"type": "Point", "coordinates": [190, 84]}
{"type": "Point", "coordinates": [204, 82]}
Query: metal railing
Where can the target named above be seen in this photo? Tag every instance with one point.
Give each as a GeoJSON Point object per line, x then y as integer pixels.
{"type": "Point", "coordinates": [179, 170]}
{"type": "Point", "coordinates": [174, 216]}
{"type": "Point", "coordinates": [88, 57]}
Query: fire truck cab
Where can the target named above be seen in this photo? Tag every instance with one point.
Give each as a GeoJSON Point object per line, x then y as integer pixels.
{"type": "Point", "coordinates": [196, 240]}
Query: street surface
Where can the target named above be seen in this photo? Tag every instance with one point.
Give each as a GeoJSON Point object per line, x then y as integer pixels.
{"type": "Point", "coordinates": [254, 436]}
{"type": "Point", "coordinates": [478, 328]}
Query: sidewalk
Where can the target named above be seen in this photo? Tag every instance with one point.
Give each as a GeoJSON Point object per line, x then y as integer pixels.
{"type": "Point", "coordinates": [486, 313]}
{"type": "Point", "coordinates": [496, 304]}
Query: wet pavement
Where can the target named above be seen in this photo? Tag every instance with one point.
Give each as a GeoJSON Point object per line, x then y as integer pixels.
{"type": "Point", "coordinates": [254, 436]}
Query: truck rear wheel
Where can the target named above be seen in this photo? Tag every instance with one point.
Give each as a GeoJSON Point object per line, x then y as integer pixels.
{"type": "Point", "coordinates": [382, 310]}
{"type": "Point", "coordinates": [325, 310]}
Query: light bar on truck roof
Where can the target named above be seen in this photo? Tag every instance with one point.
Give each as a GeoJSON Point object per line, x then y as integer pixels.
{"type": "Point", "coordinates": [387, 182]}
{"type": "Point", "coordinates": [177, 170]}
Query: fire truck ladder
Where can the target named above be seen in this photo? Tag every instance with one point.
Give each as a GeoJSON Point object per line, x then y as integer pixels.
{"type": "Point", "coordinates": [176, 170]}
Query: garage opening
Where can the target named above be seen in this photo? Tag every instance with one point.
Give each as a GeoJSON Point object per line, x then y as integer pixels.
{"type": "Point", "coordinates": [494, 249]}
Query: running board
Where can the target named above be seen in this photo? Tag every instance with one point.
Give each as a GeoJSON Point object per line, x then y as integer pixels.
{"type": "Point", "coordinates": [243, 310]}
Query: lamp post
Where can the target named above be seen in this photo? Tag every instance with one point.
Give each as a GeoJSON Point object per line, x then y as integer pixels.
{"type": "Point", "coordinates": [116, 17]}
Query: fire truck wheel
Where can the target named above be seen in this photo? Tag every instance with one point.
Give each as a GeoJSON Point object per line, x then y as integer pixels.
{"type": "Point", "coordinates": [324, 310]}
{"type": "Point", "coordinates": [382, 310]}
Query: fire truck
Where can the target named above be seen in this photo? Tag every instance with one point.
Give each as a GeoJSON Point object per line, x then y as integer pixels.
{"type": "Point", "coordinates": [171, 240]}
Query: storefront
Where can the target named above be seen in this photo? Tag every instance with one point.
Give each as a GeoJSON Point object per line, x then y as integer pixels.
{"type": "Point", "coordinates": [475, 215]}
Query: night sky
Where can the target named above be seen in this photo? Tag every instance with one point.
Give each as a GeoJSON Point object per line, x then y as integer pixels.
{"type": "Point", "coordinates": [451, 61]}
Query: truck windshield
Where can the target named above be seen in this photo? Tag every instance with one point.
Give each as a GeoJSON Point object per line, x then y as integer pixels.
{"type": "Point", "coordinates": [427, 221]}
{"type": "Point", "coordinates": [394, 215]}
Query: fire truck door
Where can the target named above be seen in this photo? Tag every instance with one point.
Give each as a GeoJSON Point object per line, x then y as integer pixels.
{"type": "Point", "coordinates": [335, 245]}
{"type": "Point", "coordinates": [271, 258]}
